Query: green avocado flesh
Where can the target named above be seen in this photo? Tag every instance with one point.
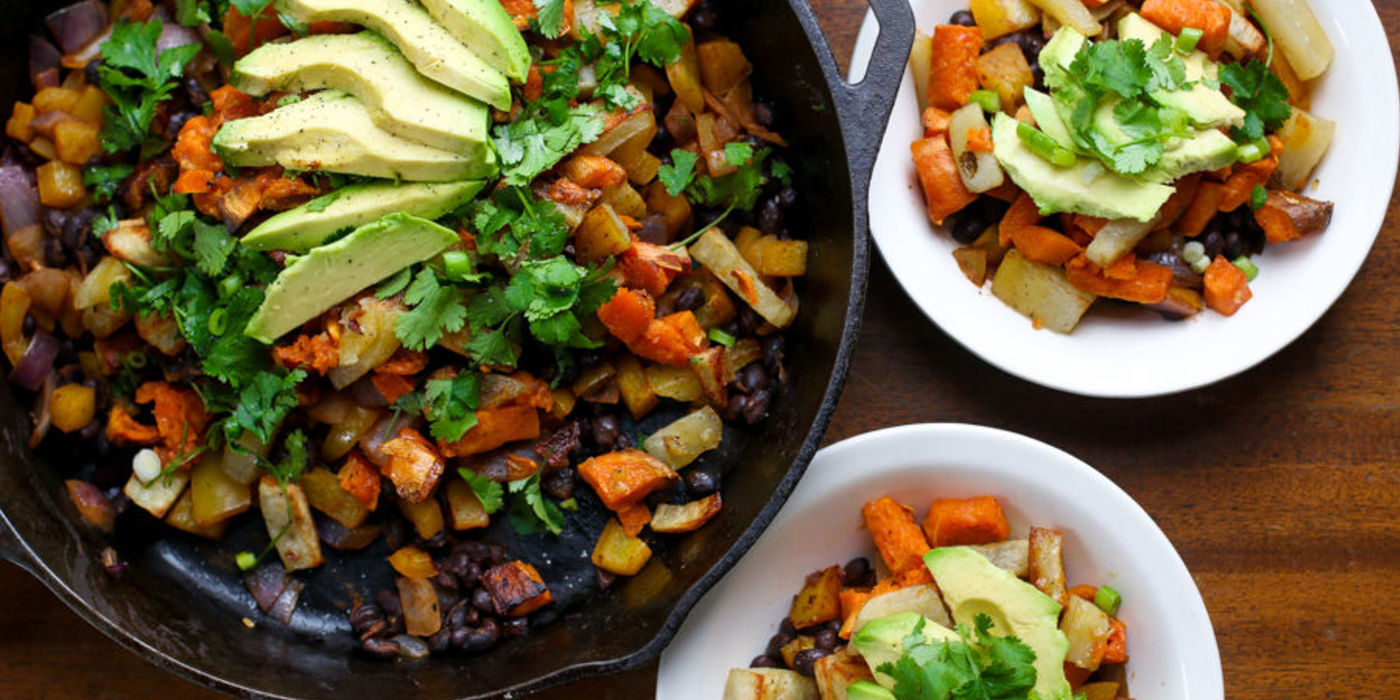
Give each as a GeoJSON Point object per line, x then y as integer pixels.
{"type": "Point", "coordinates": [399, 100]}
{"type": "Point", "coordinates": [309, 225]}
{"type": "Point", "coordinates": [485, 27]}
{"type": "Point", "coordinates": [332, 131]}
{"type": "Point", "coordinates": [332, 273]}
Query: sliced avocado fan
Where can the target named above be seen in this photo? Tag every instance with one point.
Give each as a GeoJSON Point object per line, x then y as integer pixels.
{"type": "Point", "coordinates": [430, 47]}
{"type": "Point", "coordinates": [332, 131]}
{"type": "Point", "coordinates": [487, 29]}
{"type": "Point", "coordinates": [309, 225]}
{"type": "Point", "coordinates": [399, 99]}
{"type": "Point", "coordinates": [332, 273]}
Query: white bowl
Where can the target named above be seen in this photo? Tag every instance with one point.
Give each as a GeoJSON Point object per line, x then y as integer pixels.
{"type": "Point", "coordinates": [1133, 352]}
{"type": "Point", "coordinates": [1109, 539]}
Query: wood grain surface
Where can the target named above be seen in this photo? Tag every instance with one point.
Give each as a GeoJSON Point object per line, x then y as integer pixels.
{"type": "Point", "coordinates": [1280, 487]}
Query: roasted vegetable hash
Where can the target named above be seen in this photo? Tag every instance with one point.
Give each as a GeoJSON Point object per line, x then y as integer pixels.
{"type": "Point", "coordinates": [375, 269]}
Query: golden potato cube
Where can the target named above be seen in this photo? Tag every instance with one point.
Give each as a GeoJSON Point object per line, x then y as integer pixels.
{"type": "Point", "coordinates": [619, 553]}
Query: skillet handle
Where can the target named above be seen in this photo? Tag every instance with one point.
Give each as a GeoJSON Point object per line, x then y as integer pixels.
{"type": "Point", "coordinates": [864, 107]}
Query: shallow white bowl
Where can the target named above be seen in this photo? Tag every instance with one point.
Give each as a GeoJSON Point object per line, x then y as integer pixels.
{"type": "Point", "coordinates": [1132, 353]}
{"type": "Point", "coordinates": [1109, 539]}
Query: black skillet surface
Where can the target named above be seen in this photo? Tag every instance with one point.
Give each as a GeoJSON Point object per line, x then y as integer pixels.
{"type": "Point", "coordinates": [181, 601]}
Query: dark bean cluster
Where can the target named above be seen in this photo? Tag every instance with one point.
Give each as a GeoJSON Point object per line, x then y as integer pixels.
{"type": "Point", "coordinates": [826, 638]}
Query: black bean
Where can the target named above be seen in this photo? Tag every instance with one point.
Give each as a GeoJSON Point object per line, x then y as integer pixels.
{"type": "Point", "coordinates": [773, 351]}
{"type": "Point", "coordinates": [704, 17]}
{"type": "Point", "coordinates": [481, 600]}
{"type": "Point", "coordinates": [460, 636]}
{"type": "Point", "coordinates": [437, 541]}
{"type": "Point", "coordinates": [766, 661]}
{"type": "Point", "coordinates": [515, 627]}
{"type": "Point", "coordinates": [858, 572]}
{"type": "Point", "coordinates": [90, 255]}
{"type": "Point", "coordinates": [483, 637]}
{"type": "Point", "coordinates": [195, 91]}
{"type": "Point", "coordinates": [606, 431]}
{"type": "Point", "coordinates": [753, 377]}
{"type": "Point", "coordinates": [455, 563]}
{"type": "Point", "coordinates": [446, 581]}
{"type": "Point", "coordinates": [380, 647]}
{"type": "Point", "coordinates": [787, 627]}
{"type": "Point", "coordinates": [92, 72]}
{"type": "Point", "coordinates": [826, 639]}
{"type": "Point", "coordinates": [770, 216]}
{"type": "Point", "coordinates": [701, 482]}
{"type": "Point", "coordinates": [969, 223]}
{"type": "Point", "coordinates": [802, 661]}
{"type": "Point", "coordinates": [459, 614]}
{"type": "Point", "coordinates": [1214, 241]}
{"type": "Point", "coordinates": [963, 18]}
{"type": "Point", "coordinates": [1235, 245]}
{"type": "Point", "coordinates": [654, 230]}
{"type": "Point", "coordinates": [749, 320]}
{"type": "Point", "coordinates": [54, 254]}
{"type": "Point", "coordinates": [396, 532]}
{"type": "Point", "coordinates": [777, 642]}
{"type": "Point", "coordinates": [787, 197]}
{"type": "Point", "coordinates": [734, 409]}
{"type": "Point", "coordinates": [691, 299]}
{"type": "Point", "coordinates": [364, 616]}
{"type": "Point", "coordinates": [763, 113]}
{"type": "Point", "coordinates": [560, 483]}
{"type": "Point", "coordinates": [440, 641]}
{"type": "Point", "coordinates": [1031, 43]}
{"type": "Point", "coordinates": [474, 550]}
{"type": "Point", "coordinates": [757, 408]}
{"type": "Point", "coordinates": [388, 602]}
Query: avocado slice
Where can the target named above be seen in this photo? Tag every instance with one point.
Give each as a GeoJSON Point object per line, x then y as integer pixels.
{"type": "Point", "coordinates": [399, 100]}
{"type": "Point", "coordinates": [881, 641]}
{"type": "Point", "coordinates": [431, 48]}
{"type": "Point", "coordinates": [972, 585]}
{"type": "Point", "coordinates": [332, 131]}
{"type": "Point", "coordinates": [1047, 117]}
{"type": "Point", "coordinates": [1205, 106]}
{"type": "Point", "coordinates": [332, 273]}
{"type": "Point", "coordinates": [311, 224]}
{"type": "Point", "coordinates": [1086, 187]}
{"type": "Point", "coordinates": [1207, 150]}
{"type": "Point", "coordinates": [865, 690]}
{"type": "Point", "coordinates": [487, 29]}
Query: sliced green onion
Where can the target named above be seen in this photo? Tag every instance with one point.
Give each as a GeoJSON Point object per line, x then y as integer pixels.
{"type": "Point", "coordinates": [456, 264]}
{"type": "Point", "coordinates": [1042, 145]}
{"type": "Point", "coordinates": [569, 504]}
{"type": "Point", "coordinates": [721, 337]}
{"type": "Point", "coordinates": [989, 99]}
{"type": "Point", "coordinates": [245, 560]}
{"type": "Point", "coordinates": [135, 360]}
{"type": "Point", "coordinates": [1246, 266]}
{"type": "Point", "coordinates": [1254, 150]}
{"type": "Point", "coordinates": [230, 285]}
{"type": "Point", "coordinates": [1108, 600]}
{"type": "Point", "coordinates": [1187, 40]}
{"type": "Point", "coordinates": [218, 321]}
{"type": "Point", "coordinates": [1257, 197]}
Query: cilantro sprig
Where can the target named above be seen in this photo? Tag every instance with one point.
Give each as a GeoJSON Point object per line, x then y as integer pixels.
{"type": "Point", "coordinates": [1261, 94]}
{"type": "Point", "coordinates": [137, 81]}
{"type": "Point", "coordinates": [449, 403]}
{"type": "Point", "coordinates": [986, 667]}
{"type": "Point", "coordinates": [529, 512]}
{"type": "Point", "coordinates": [737, 190]}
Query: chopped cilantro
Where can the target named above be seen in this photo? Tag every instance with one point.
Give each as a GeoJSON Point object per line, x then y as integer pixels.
{"type": "Point", "coordinates": [989, 668]}
{"type": "Point", "coordinates": [490, 493]}
{"type": "Point", "coordinates": [105, 179]}
{"type": "Point", "coordinates": [530, 512]}
{"type": "Point", "coordinates": [137, 81]}
{"type": "Point", "coordinates": [550, 18]}
{"type": "Point", "coordinates": [1260, 93]}
{"type": "Point", "coordinates": [263, 403]}
{"type": "Point", "coordinates": [677, 175]}
{"type": "Point", "coordinates": [436, 308]}
{"type": "Point", "coordinates": [737, 152]}
{"type": "Point", "coordinates": [450, 405]}
{"type": "Point", "coordinates": [290, 467]}
{"type": "Point", "coordinates": [528, 147]}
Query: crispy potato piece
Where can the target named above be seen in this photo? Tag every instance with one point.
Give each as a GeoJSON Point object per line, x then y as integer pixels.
{"type": "Point", "coordinates": [323, 492]}
{"type": "Point", "coordinates": [619, 553]}
{"type": "Point", "coordinates": [413, 562]}
{"type": "Point", "coordinates": [1306, 139]}
{"type": "Point", "coordinates": [426, 516]}
{"type": "Point", "coordinates": [680, 442]}
{"type": "Point", "coordinates": [835, 672]}
{"type": "Point", "coordinates": [158, 496]}
{"type": "Point", "coordinates": [819, 600]}
{"type": "Point", "coordinates": [287, 516]}
{"type": "Point", "coordinates": [464, 508]}
{"type": "Point", "coordinates": [1046, 562]}
{"type": "Point", "coordinates": [922, 598]}
{"type": "Point", "coordinates": [768, 684]}
{"type": "Point", "coordinates": [688, 517]}
{"type": "Point", "coordinates": [1012, 555]}
{"type": "Point", "coordinates": [1087, 629]}
{"type": "Point", "coordinates": [214, 495]}
{"type": "Point", "coordinates": [516, 588]}
{"type": "Point", "coordinates": [1040, 292]}
{"type": "Point", "coordinates": [419, 601]}
{"type": "Point", "coordinates": [414, 466]}
{"type": "Point", "coordinates": [181, 517]}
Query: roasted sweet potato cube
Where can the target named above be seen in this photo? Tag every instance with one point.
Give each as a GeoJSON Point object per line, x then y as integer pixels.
{"type": "Point", "coordinates": [496, 427]}
{"type": "Point", "coordinates": [413, 465]}
{"type": "Point", "coordinates": [819, 600]}
{"type": "Point", "coordinates": [360, 480]}
{"type": "Point", "coordinates": [323, 492]}
{"type": "Point", "coordinates": [464, 508]}
{"type": "Point", "coordinates": [516, 588]}
{"type": "Point", "coordinates": [835, 672]}
{"type": "Point", "coordinates": [619, 553]}
{"type": "Point", "coordinates": [1047, 564]}
{"type": "Point", "coordinates": [625, 477]}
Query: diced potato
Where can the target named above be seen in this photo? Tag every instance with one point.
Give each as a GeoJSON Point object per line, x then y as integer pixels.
{"type": "Point", "coordinates": [94, 290]}
{"type": "Point", "coordinates": [60, 184]}
{"type": "Point", "coordinates": [422, 616]}
{"type": "Point", "coordinates": [426, 517]}
{"type": "Point", "coordinates": [715, 251]}
{"type": "Point", "coordinates": [684, 76]}
{"type": "Point", "coordinates": [1046, 563]}
{"type": "Point", "coordinates": [619, 553]}
{"type": "Point", "coordinates": [76, 141]}
{"type": "Point", "coordinates": [625, 200]}
{"type": "Point", "coordinates": [923, 599]}
{"type": "Point", "coordinates": [516, 588]}
{"type": "Point", "coordinates": [768, 684]}
{"type": "Point", "coordinates": [160, 331]}
{"type": "Point", "coordinates": [722, 65]}
{"type": "Point", "coordinates": [973, 263]}
{"type": "Point", "coordinates": [413, 562]}
{"type": "Point", "coordinates": [920, 63]}
{"type": "Point", "coordinates": [181, 517]}
{"type": "Point", "coordinates": [88, 106]}
{"type": "Point", "coordinates": [157, 496]}
{"type": "Point", "coordinates": [103, 321]}
{"type": "Point", "coordinates": [800, 643]}
{"type": "Point", "coordinates": [464, 508]}
{"type": "Point", "coordinates": [1087, 628]}
{"type": "Point", "coordinates": [288, 519]}
{"type": "Point", "coordinates": [1011, 555]}
{"type": "Point", "coordinates": [240, 460]}
{"type": "Point", "coordinates": [17, 127]}
{"type": "Point", "coordinates": [636, 123]}
{"type": "Point", "coordinates": [216, 497]}
{"type": "Point", "coordinates": [686, 438]}
{"type": "Point", "coordinates": [414, 466]}
{"type": "Point", "coordinates": [43, 147]}
{"type": "Point", "coordinates": [601, 235]}
{"type": "Point", "coordinates": [708, 367]}
{"type": "Point", "coordinates": [632, 384]}
{"type": "Point", "coordinates": [344, 435]}
{"type": "Point", "coordinates": [835, 672]}
{"type": "Point", "coordinates": [718, 308]}
{"type": "Point", "coordinates": [775, 257]}
{"type": "Point", "coordinates": [1040, 292]}
{"type": "Point", "coordinates": [1306, 139]}
{"type": "Point", "coordinates": [640, 164]}
{"type": "Point", "coordinates": [676, 210]}
{"type": "Point", "coordinates": [979, 170]}
{"type": "Point", "coordinates": [1116, 239]}
{"type": "Point", "coordinates": [998, 17]}
{"type": "Point", "coordinates": [819, 601]}
{"type": "Point", "coordinates": [56, 99]}
{"type": "Point", "coordinates": [130, 240]}
{"type": "Point", "coordinates": [1071, 13]}
{"type": "Point", "coordinates": [1099, 690]}
{"type": "Point", "coordinates": [686, 518]}
{"type": "Point", "coordinates": [72, 406]}
{"type": "Point", "coordinates": [678, 383]}
{"type": "Point", "coordinates": [368, 341]}
{"type": "Point", "coordinates": [595, 378]}
{"type": "Point", "coordinates": [1244, 39]}
{"type": "Point", "coordinates": [323, 492]}
{"type": "Point", "coordinates": [1004, 70]}
{"type": "Point", "coordinates": [1297, 33]}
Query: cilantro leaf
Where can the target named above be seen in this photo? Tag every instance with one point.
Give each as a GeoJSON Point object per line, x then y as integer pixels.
{"type": "Point", "coordinates": [981, 666]}
{"type": "Point", "coordinates": [550, 17]}
{"type": "Point", "coordinates": [528, 147]}
{"type": "Point", "coordinates": [490, 493]}
{"type": "Point", "coordinates": [290, 467]}
{"type": "Point", "coordinates": [450, 405]}
{"type": "Point", "coordinates": [104, 180]}
{"type": "Point", "coordinates": [436, 308]}
{"type": "Point", "coordinates": [492, 348]}
{"type": "Point", "coordinates": [737, 152]}
{"type": "Point", "coordinates": [1263, 96]}
{"type": "Point", "coordinates": [394, 284]}
{"type": "Point", "coordinates": [677, 174]}
{"type": "Point", "coordinates": [137, 78]}
{"type": "Point", "coordinates": [263, 404]}
{"type": "Point", "coordinates": [530, 512]}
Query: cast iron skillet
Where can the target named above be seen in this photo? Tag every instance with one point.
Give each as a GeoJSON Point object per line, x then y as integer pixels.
{"type": "Point", "coordinates": [181, 601]}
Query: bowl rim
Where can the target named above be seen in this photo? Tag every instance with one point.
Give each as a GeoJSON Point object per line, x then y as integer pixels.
{"type": "Point", "coordinates": [887, 451]}
{"type": "Point", "coordinates": [893, 225]}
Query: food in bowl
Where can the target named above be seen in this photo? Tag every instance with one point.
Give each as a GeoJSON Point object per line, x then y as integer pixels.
{"type": "Point", "coordinates": [1167, 142]}
{"type": "Point", "coordinates": [960, 609]}
{"type": "Point", "coordinates": [384, 272]}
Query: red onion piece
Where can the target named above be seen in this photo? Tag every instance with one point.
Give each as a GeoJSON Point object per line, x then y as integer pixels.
{"type": "Point", "coordinates": [286, 602]}
{"type": "Point", "coordinates": [19, 200]}
{"type": "Point", "coordinates": [91, 504]}
{"type": "Point", "coordinates": [266, 583]}
{"type": "Point", "coordinates": [336, 535]}
{"type": "Point", "coordinates": [43, 413]}
{"type": "Point", "coordinates": [73, 27]}
{"type": "Point", "coordinates": [43, 57]}
{"type": "Point", "coordinates": [364, 392]}
{"type": "Point", "coordinates": [173, 35]}
{"type": "Point", "coordinates": [37, 361]}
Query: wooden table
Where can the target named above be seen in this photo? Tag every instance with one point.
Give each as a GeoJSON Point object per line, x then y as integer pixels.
{"type": "Point", "coordinates": [1280, 487]}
